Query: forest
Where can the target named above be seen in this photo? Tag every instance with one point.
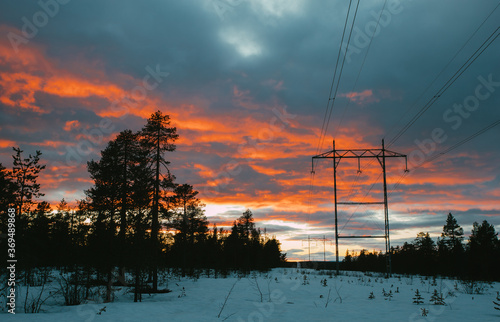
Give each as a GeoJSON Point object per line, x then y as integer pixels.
{"type": "Point", "coordinates": [477, 258]}
{"type": "Point", "coordinates": [134, 219]}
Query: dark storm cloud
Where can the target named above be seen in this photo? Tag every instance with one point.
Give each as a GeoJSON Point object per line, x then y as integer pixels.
{"type": "Point", "coordinates": [185, 39]}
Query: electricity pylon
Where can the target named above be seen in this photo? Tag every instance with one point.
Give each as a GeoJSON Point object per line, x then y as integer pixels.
{"type": "Point", "coordinates": [380, 155]}
{"type": "Point", "coordinates": [309, 239]}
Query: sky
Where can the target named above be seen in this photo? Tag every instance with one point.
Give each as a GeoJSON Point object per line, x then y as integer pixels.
{"type": "Point", "coordinates": [248, 85]}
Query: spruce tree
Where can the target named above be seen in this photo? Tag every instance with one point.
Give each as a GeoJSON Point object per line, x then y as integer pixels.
{"type": "Point", "coordinates": [450, 247]}
{"type": "Point", "coordinates": [436, 298]}
{"type": "Point", "coordinates": [452, 234]}
{"type": "Point", "coordinates": [483, 251]}
{"type": "Point", "coordinates": [418, 299]}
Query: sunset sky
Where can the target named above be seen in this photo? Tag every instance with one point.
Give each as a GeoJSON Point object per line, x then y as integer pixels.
{"type": "Point", "coordinates": [247, 83]}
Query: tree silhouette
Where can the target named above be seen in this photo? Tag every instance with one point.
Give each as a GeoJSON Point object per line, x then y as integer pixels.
{"type": "Point", "coordinates": [7, 189]}
{"type": "Point", "coordinates": [452, 234]}
{"type": "Point", "coordinates": [158, 137]}
{"type": "Point", "coordinates": [450, 247]}
{"type": "Point", "coordinates": [38, 250]}
{"type": "Point", "coordinates": [189, 220]}
{"type": "Point", "coordinates": [25, 174]}
{"type": "Point", "coordinates": [483, 250]}
{"type": "Point", "coordinates": [7, 199]}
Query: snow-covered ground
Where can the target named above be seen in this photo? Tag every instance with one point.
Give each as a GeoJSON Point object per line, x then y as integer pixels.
{"type": "Point", "coordinates": [283, 294]}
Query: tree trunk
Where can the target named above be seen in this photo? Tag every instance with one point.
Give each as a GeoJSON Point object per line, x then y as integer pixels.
{"type": "Point", "coordinates": [109, 287]}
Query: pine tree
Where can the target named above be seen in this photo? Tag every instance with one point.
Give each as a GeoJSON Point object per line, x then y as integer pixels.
{"type": "Point", "coordinates": [25, 174]}
{"type": "Point", "coordinates": [437, 299]}
{"type": "Point", "coordinates": [128, 154]}
{"type": "Point", "coordinates": [418, 299]}
{"type": "Point", "coordinates": [158, 137]}
{"type": "Point", "coordinates": [371, 296]}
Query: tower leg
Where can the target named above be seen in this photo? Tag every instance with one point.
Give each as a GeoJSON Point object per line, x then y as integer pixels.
{"type": "Point", "coordinates": [386, 217]}
{"type": "Point", "coordinates": [336, 221]}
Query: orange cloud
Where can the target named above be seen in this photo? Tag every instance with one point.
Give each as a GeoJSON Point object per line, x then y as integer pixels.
{"type": "Point", "coordinates": [70, 125]}
{"type": "Point", "coordinates": [7, 143]}
{"type": "Point", "coordinates": [204, 172]}
{"type": "Point", "coordinates": [54, 144]}
{"type": "Point", "coordinates": [31, 71]}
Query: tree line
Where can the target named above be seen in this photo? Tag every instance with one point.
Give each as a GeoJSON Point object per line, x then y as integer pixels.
{"type": "Point", "coordinates": [135, 217]}
{"type": "Point", "coordinates": [477, 258]}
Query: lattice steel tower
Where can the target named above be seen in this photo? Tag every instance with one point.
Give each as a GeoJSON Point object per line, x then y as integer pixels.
{"type": "Point", "coordinates": [380, 155]}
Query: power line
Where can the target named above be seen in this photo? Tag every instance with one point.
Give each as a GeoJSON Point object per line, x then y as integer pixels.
{"type": "Point", "coordinates": [340, 75]}
{"type": "Point", "coordinates": [334, 76]}
{"type": "Point", "coordinates": [444, 68]}
{"type": "Point", "coordinates": [447, 85]}
{"type": "Point", "coordinates": [439, 74]}
{"type": "Point", "coordinates": [360, 69]}
{"type": "Point", "coordinates": [332, 99]}
{"type": "Point", "coordinates": [453, 147]}
{"type": "Point", "coordinates": [440, 92]}
{"type": "Point", "coordinates": [325, 125]}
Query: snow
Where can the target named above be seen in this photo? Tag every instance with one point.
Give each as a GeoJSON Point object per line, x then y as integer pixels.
{"type": "Point", "coordinates": [288, 294]}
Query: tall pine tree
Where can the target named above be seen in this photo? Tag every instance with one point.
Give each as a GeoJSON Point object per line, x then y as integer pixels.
{"type": "Point", "coordinates": [158, 137]}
